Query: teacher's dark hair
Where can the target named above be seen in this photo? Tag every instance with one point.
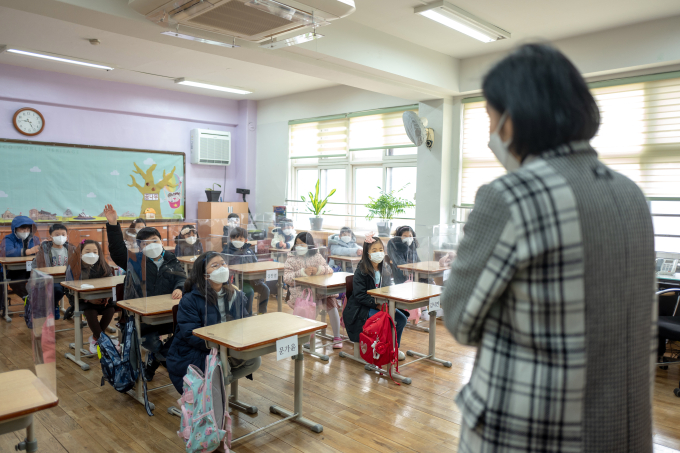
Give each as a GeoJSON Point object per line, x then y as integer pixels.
{"type": "Point", "coordinates": [546, 97]}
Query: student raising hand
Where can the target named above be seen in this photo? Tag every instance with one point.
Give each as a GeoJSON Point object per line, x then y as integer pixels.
{"type": "Point", "coordinates": [110, 214]}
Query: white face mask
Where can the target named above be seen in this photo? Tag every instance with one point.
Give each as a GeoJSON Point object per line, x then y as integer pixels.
{"type": "Point", "coordinates": [407, 240]}
{"type": "Point", "coordinates": [345, 239]}
{"type": "Point", "coordinates": [500, 148]}
{"type": "Point", "coordinates": [238, 244]}
{"type": "Point", "coordinates": [90, 258]}
{"type": "Point", "coordinates": [59, 240]}
{"type": "Point", "coordinates": [288, 232]}
{"type": "Point", "coordinates": [301, 249]}
{"type": "Point", "coordinates": [23, 236]}
{"type": "Point", "coordinates": [377, 257]}
{"type": "Point", "coordinates": [220, 275]}
{"type": "Point", "coordinates": [191, 240]}
{"type": "Point", "coordinates": [153, 250]}
{"type": "Point", "coordinates": [232, 222]}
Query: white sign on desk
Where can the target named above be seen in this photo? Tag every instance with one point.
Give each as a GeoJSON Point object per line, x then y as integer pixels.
{"type": "Point", "coordinates": [29, 265]}
{"type": "Point", "coordinates": [287, 347]}
{"type": "Point", "coordinates": [446, 274]}
{"type": "Point", "coordinates": [435, 303]}
{"type": "Point", "coordinates": [272, 275]}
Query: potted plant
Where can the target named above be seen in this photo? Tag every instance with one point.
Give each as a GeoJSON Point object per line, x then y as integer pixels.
{"type": "Point", "coordinates": [315, 205]}
{"type": "Point", "coordinates": [212, 194]}
{"type": "Point", "coordinates": [385, 207]}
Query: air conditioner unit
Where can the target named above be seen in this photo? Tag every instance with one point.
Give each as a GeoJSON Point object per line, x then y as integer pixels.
{"type": "Point", "coordinates": [251, 20]}
{"type": "Point", "coordinates": [210, 147]}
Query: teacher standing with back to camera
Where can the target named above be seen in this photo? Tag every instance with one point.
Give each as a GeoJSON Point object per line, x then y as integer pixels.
{"type": "Point", "coordinates": [554, 279]}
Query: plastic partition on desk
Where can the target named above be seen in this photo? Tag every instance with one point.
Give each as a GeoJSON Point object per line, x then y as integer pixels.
{"type": "Point", "coordinates": [40, 297]}
{"type": "Point", "coordinates": [250, 272]}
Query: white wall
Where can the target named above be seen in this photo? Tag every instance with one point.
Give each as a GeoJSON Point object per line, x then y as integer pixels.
{"type": "Point", "coordinates": [272, 131]}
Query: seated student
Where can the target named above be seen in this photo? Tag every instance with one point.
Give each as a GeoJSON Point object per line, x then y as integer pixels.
{"type": "Point", "coordinates": [344, 244]}
{"type": "Point", "coordinates": [138, 224]}
{"type": "Point", "coordinates": [306, 261]}
{"type": "Point", "coordinates": [402, 249]}
{"type": "Point", "coordinates": [233, 221]}
{"type": "Point", "coordinates": [208, 299]}
{"type": "Point", "coordinates": [55, 253]}
{"type": "Point", "coordinates": [164, 275]}
{"type": "Point", "coordinates": [283, 235]}
{"type": "Point", "coordinates": [373, 271]}
{"type": "Point", "coordinates": [187, 242]}
{"type": "Point", "coordinates": [87, 263]}
{"type": "Point", "coordinates": [240, 252]}
{"type": "Point", "coordinates": [22, 241]}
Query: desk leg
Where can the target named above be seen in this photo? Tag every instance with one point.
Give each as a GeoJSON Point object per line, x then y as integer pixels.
{"type": "Point", "coordinates": [297, 413]}
{"type": "Point", "coordinates": [279, 293]}
{"type": "Point", "coordinates": [138, 392]}
{"type": "Point", "coordinates": [431, 346]}
{"type": "Point", "coordinates": [344, 266]}
{"type": "Point", "coordinates": [236, 404]}
{"type": "Point", "coordinates": [29, 444]}
{"type": "Point", "coordinates": [6, 295]}
{"type": "Point", "coordinates": [78, 345]}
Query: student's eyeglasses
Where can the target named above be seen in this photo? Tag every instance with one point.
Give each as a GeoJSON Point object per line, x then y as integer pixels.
{"type": "Point", "coordinates": [217, 266]}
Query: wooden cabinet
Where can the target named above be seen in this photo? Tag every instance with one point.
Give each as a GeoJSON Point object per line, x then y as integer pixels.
{"type": "Point", "coordinates": [218, 212]}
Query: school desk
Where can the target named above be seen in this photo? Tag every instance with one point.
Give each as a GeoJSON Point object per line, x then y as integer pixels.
{"type": "Point", "coordinates": [258, 271]}
{"type": "Point", "coordinates": [187, 262]}
{"type": "Point", "coordinates": [12, 263]}
{"type": "Point", "coordinates": [279, 255]}
{"type": "Point", "coordinates": [23, 394]}
{"type": "Point", "coordinates": [323, 286]}
{"type": "Point", "coordinates": [154, 311]}
{"type": "Point", "coordinates": [430, 269]}
{"type": "Point", "coordinates": [169, 248]}
{"type": "Point", "coordinates": [256, 336]}
{"type": "Point", "coordinates": [343, 260]}
{"type": "Point", "coordinates": [103, 288]}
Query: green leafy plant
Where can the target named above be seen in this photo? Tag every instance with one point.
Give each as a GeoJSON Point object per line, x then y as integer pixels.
{"type": "Point", "coordinates": [387, 205]}
{"type": "Point", "coordinates": [213, 187]}
{"type": "Point", "coordinates": [315, 205]}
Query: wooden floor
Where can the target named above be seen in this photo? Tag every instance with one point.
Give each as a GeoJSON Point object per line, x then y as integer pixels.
{"type": "Point", "coordinates": [360, 412]}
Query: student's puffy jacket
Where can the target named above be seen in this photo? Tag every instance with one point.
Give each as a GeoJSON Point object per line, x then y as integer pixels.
{"type": "Point", "coordinates": [169, 277]}
{"type": "Point", "coordinates": [12, 245]}
{"type": "Point", "coordinates": [359, 302]}
{"type": "Point", "coordinates": [240, 256]}
{"type": "Point", "coordinates": [279, 237]}
{"type": "Point", "coordinates": [188, 349]}
{"type": "Point", "coordinates": [44, 259]}
{"type": "Point", "coordinates": [401, 253]}
{"type": "Point", "coordinates": [183, 248]}
{"type": "Point", "coordinates": [343, 248]}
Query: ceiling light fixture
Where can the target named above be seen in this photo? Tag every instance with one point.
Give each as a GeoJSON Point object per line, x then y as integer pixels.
{"type": "Point", "coordinates": [453, 17]}
{"type": "Point", "coordinates": [208, 86]}
{"type": "Point", "coordinates": [294, 41]}
{"type": "Point", "coordinates": [53, 58]}
{"type": "Point", "coordinates": [195, 38]}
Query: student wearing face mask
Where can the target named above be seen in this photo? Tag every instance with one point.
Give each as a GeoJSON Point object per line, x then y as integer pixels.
{"type": "Point", "coordinates": [344, 244]}
{"type": "Point", "coordinates": [23, 241]}
{"type": "Point", "coordinates": [283, 235]}
{"type": "Point", "coordinates": [164, 275]}
{"type": "Point", "coordinates": [306, 261]}
{"type": "Point", "coordinates": [373, 271]}
{"type": "Point", "coordinates": [208, 299]}
{"type": "Point", "coordinates": [239, 251]}
{"type": "Point", "coordinates": [138, 224]}
{"type": "Point", "coordinates": [402, 249]}
{"type": "Point", "coordinates": [87, 262]}
{"type": "Point", "coordinates": [188, 242]}
{"type": "Point", "coordinates": [55, 253]}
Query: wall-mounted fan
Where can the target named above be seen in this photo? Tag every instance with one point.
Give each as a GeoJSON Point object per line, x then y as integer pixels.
{"type": "Point", "coordinates": [417, 130]}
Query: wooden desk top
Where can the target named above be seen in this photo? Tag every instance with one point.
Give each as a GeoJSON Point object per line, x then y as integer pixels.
{"type": "Point", "coordinates": [275, 250]}
{"type": "Point", "coordinates": [424, 267]}
{"type": "Point", "coordinates": [156, 305]}
{"type": "Point", "coordinates": [407, 292]}
{"type": "Point", "coordinates": [169, 248]}
{"type": "Point", "coordinates": [261, 266]}
{"type": "Point", "coordinates": [333, 280]}
{"type": "Point", "coordinates": [15, 259]}
{"type": "Point", "coordinates": [22, 393]}
{"type": "Point", "coordinates": [353, 259]}
{"type": "Point", "coordinates": [187, 259]}
{"type": "Point", "coordinates": [249, 333]}
{"type": "Point", "coordinates": [55, 270]}
{"type": "Point", "coordinates": [98, 283]}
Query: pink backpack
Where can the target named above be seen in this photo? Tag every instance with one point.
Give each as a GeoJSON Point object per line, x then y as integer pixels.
{"type": "Point", "coordinates": [305, 307]}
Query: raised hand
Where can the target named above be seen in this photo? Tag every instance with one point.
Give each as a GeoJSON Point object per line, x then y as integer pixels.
{"type": "Point", "coordinates": [110, 214]}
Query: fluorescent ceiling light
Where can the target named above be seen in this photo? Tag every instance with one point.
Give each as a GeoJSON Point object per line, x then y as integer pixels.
{"type": "Point", "coordinates": [194, 38]}
{"type": "Point", "coordinates": [51, 57]}
{"type": "Point", "coordinates": [299, 39]}
{"type": "Point", "coordinates": [208, 86]}
{"type": "Point", "coordinates": [453, 17]}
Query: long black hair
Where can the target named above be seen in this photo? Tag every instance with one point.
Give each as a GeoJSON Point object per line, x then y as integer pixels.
{"type": "Point", "coordinates": [308, 239]}
{"type": "Point", "coordinates": [366, 265]}
{"type": "Point", "coordinates": [198, 278]}
{"type": "Point", "coordinates": [546, 97]}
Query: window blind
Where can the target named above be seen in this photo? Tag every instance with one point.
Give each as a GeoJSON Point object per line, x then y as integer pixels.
{"type": "Point", "coordinates": [378, 131]}
{"type": "Point", "coordinates": [326, 138]}
{"type": "Point", "coordinates": [639, 136]}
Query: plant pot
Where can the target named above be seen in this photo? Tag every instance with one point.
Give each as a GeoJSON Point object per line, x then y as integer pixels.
{"type": "Point", "coordinates": [213, 195]}
{"type": "Point", "coordinates": [316, 223]}
{"type": "Point", "coordinates": [384, 229]}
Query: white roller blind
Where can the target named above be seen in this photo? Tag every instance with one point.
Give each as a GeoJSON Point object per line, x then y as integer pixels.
{"type": "Point", "coordinates": [379, 131]}
{"type": "Point", "coordinates": [639, 137]}
{"type": "Point", "coordinates": [319, 138]}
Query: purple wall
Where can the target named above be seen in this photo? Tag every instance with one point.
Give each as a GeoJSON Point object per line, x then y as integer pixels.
{"type": "Point", "coordinates": [86, 111]}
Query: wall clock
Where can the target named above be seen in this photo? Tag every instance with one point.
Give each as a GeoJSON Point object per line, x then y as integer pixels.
{"type": "Point", "coordinates": [28, 121]}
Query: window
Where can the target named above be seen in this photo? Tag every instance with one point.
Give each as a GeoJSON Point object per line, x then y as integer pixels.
{"type": "Point", "coordinates": [666, 220]}
{"type": "Point", "coordinates": [355, 154]}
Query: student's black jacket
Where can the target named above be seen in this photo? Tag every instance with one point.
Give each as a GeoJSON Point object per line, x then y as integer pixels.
{"type": "Point", "coordinates": [359, 303]}
{"type": "Point", "coordinates": [161, 281]}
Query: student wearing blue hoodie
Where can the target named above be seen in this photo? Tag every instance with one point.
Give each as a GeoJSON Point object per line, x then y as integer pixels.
{"type": "Point", "coordinates": [208, 299]}
{"type": "Point", "coordinates": [344, 244]}
{"type": "Point", "coordinates": [23, 241]}
{"type": "Point", "coordinates": [240, 252]}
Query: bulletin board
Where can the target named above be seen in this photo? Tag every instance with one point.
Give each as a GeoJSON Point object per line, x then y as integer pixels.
{"type": "Point", "coordinates": [51, 182]}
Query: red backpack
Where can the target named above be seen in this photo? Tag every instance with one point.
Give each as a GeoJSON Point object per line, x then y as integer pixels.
{"type": "Point", "coordinates": [377, 341]}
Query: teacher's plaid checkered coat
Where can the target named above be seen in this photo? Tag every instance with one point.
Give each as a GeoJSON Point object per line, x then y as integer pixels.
{"type": "Point", "coordinates": [554, 282]}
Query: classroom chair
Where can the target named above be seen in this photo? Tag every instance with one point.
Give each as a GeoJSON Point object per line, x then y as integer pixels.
{"type": "Point", "coordinates": [349, 286]}
{"type": "Point", "coordinates": [669, 328]}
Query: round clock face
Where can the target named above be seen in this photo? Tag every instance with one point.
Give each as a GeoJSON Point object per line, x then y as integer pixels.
{"type": "Point", "coordinates": [29, 121]}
